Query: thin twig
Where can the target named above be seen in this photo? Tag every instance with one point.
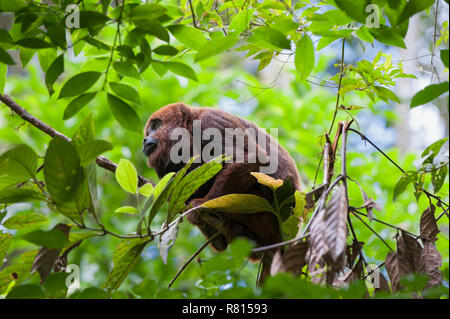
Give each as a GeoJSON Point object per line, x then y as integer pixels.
{"type": "Point", "coordinates": [100, 160]}
{"type": "Point", "coordinates": [193, 14]}
{"type": "Point", "coordinates": [373, 230]}
{"type": "Point", "coordinates": [290, 241]}
{"type": "Point", "coordinates": [206, 243]}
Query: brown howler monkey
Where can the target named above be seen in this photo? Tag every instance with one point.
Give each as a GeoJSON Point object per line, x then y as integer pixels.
{"type": "Point", "coordinates": [234, 177]}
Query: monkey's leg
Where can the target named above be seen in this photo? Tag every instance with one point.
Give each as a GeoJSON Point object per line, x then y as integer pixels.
{"type": "Point", "coordinates": [209, 224]}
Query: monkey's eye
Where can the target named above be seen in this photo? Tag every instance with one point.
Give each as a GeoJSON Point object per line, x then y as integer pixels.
{"type": "Point", "coordinates": [155, 124]}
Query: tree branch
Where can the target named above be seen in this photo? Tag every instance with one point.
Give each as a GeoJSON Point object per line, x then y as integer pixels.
{"type": "Point", "coordinates": [100, 160]}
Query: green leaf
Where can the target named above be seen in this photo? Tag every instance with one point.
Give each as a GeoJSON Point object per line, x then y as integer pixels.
{"type": "Point", "coordinates": [214, 47]}
{"type": "Point", "coordinates": [5, 57]}
{"type": "Point", "coordinates": [191, 182]}
{"type": "Point", "coordinates": [28, 291]}
{"type": "Point", "coordinates": [268, 36]}
{"type": "Point", "coordinates": [126, 210]}
{"type": "Point", "coordinates": [92, 18]}
{"type": "Point", "coordinates": [126, 69]}
{"type": "Point", "coordinates": [429, 93]}
{"type": "Point", "coordinates": [5, 37]}
{"type": "Point", "coordinates": [154, 28]}
{"type": "Point", "coordinates": [25, 220]}
{"type": "Point", "coordinates": [53, 239]}
{"type": "Point", "coordinates": [388, 36]}
{"type": "Point", "coordinates": [124, 114]}
{"type": "Point", "coordinates": [17, 165]}
{"type": "Point", "coordinates": [22, 194]}
{"type": "Point", "coordinates": [403, 182]}
{"type": "Point", "coordinates": [79, 84]}
{"type": "Point", "coordinates": [161, 192]}
{"type": "Point", "coordinates": [165, 50]}
{"type": "Point", "coordinates": [34, 43]}
{"type": "Point", "coordinates": [146, 190]}
{"type": "Point", "coordinates": [444, 57]}
{"type": "Point", "coordinates": [241, 21]}
{"type": "Point", "coordinates": [5, 244]}
{"type": "Point", "coordinates": [125, 256]}
{"type": "Point", "coordinates": [304, 57]}
{"type": "Point", "coordinates": [126, 92]}
{"type": "Point", "coordinates": [386, 94]}
{"type": "Point", "coordinates": [190, 37]}
{"type": "Point", "coordinates": [240, 204]}
{"type": "Point", "coordinates": [54, 71]}
{"type": "Point", "coordinates": [3, 71]}
{"type": "Point", "coordinates": [150, 11]}
{"type": "Point", "coordinates": [90, 150]}
{"type": "Point", "coordinates": [77, 104]}
{"type": "Point", "coordinates": [413, 7]}
{"type": "Point", "coordinates": [432, 150]}
{"type": "Point", "coordinates": [354, 9]}
{"type": "Point", "coordinates": [181, 69]}
{"type": "Point", "coordinates": [126, 176]}
{"type": "Point", "coordinates": [84, 133]}
{"type": "Point", "coordinates": [57, 34]}
{"type": "Point", "coordinates": [438, 178]}
{"type": "Point", "coordinates": [62, 171]}
{"type": "Point", "coordinates": [46, 57]}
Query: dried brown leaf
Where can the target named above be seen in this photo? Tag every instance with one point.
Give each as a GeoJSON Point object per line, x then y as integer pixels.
{"type": "Point", "coordinates": [277, 264]}
{"type": "Point", "coordinates": [336, 223]}
{"type": "Point", "coordinates": [391, 264]}
{"type": "Point", "coordinates": [295, 257]}
{"type": "Point", "coordinates": [319, 246]}
{"type": "Point", "coordinates": [428, 226]}
{"type": "Point", "coordinates": [408, 251]}
{"type": "Point", "coordinates": [353, 252]}
{"type": "Point", "coordinates": [45, 259]}
{"type": "Point", "coordinates": [429, 263]}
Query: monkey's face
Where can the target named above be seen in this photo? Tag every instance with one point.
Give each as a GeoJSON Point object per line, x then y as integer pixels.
{"type": "Point", "coordinates": [157, 143]}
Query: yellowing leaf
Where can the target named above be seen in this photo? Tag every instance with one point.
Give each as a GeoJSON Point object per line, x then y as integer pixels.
{"type": "Point", "coordinates": [146, 190]}
{"type": "Point", "coordinates": [267, 180]}
{"type": "Point", "coordinates": [126, 210]}
{"type": "Point", "coordinates": [126, 176]}
{"type": "Point", "coordinates": [239, 203]}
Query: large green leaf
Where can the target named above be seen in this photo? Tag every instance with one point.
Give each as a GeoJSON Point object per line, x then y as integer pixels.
{"type": "Point", "coordinates": [304, 57]}
{"type": "Point", "coordinates": [5, 57]}
{"type": "Point", "coordinates": [269, 38]}
{"type": "Point", "coordinates": [22, 194]}
{"type": "Point", "coordinates": [126, 176]}
{"type": "Point", "coordinates": [125, 256]}
{"type": "Point", "coordinates": [181, 69]}
{"type": "Point", "coordinates": [160, 194]}
{"type": "Point", "coordinates": [34, 43]}
{"type": "Point", "coordinates": [355, 9]}
{"type": "Point", "coordinates": [239, 203]}
{"type": "Point", "coordinates": [90, 150]}
{"type": "Point", "coordinates": [190, 37]}
{"type": "Point", "coordinates": [444, 57]}
{"type": "Point", "coordinates": [5, 244]}
{"type": "Point", "coordinates": [28, 291]}
{"type": "Point", "coordinates": [214, 47]}
{"type": "Point", "coordinates": [17, 165]}
{"type": "Point", "coordinates": [54, 71]}
{"type": "Point", "coordinates": [413, 7]}
{"type": "Point", "coordinates": [92, 18]}
{"type": "Point", "coordinates": [126, 69]}
{"type": "Point", "coordinates": [25, 220]}
{"type": "Point", "coordinates": [388, 36]}
{"type": "Point", "coordinates": [126, 92]}
{"type": "Point", "coordinates": [62, 171]}
{"type": "Point", "coordinates": [53, 239]}
{"type": "Point", "coordinates": [79, 83]}
{"type": "Point", "coordinates": [149, 11]}
{"type": "Point", "coordinates": [124, 114]}
{"type": "Point", "coordinates": [77, 104]}
{"type": "Point", "coordinates": [429, 93]}
{"type": "Point", "coordinates": [190, 183]}
{"type": "Point", "coordinates": [241, 21]}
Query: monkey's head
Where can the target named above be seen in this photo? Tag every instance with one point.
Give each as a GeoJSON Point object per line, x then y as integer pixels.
{"type": "Point", "coordinates": [157, 143]}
